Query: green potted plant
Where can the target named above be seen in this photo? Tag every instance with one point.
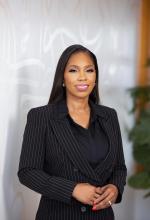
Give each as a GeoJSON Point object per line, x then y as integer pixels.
{"type": "Point", "coordinates": [140, 137]}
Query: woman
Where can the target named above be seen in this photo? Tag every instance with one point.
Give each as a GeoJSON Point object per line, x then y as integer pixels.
{"type": "Point", "coordinates": [72, 149]}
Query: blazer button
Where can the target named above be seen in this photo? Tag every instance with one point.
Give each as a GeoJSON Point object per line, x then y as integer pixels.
{"type": "Point", "coordinates": [83, 209]}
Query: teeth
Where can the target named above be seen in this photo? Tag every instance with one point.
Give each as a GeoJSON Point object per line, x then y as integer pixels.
{"type": "Point", "coordinates": [82, 87]}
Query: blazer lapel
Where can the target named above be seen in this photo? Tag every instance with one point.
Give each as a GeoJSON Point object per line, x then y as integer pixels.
{"type": "Point", "coordinates": [107, 161]}
{"type": "Point", "coordinates": [67, 139]}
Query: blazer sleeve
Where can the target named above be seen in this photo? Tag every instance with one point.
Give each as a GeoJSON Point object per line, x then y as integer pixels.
{"type": "Point", "coordinates": [119, 173]}
{"type": "Point", "coordinates": [31, 172]}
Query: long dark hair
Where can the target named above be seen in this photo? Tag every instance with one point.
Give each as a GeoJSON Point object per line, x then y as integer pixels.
{"type": "Point", "coordinates": [58, 92]}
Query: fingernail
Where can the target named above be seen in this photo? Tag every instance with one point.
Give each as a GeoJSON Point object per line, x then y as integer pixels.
{"type": "Point", "coordinates": [94, 208]}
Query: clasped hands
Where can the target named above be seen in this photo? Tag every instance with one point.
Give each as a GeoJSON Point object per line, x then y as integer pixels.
{"type": "Point", "coordinates": [97, 197]}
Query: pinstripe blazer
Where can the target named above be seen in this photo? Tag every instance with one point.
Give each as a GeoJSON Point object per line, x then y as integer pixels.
{"type": "Point", "coordinates": [51, 162]}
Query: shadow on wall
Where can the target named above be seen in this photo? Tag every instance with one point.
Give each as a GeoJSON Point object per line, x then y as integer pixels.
{"type": "Point", "coordinates": [19, 200]}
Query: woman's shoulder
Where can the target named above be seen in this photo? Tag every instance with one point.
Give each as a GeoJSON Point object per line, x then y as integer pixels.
{"type": "Point", "coordinates": [104, 108]}
{"type": "Point", "coordinates": [105, 111]}
{"type": "Point", "coordinates": [40, 110]}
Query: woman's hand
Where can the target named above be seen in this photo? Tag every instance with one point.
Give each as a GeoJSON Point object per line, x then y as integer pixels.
{"type": "Point", "coordinates": [107, 195]}
{"type": "Point", "coordinates": [84, 192]}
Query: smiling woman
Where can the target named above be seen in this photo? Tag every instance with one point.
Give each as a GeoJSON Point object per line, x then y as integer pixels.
{"type": "Point", "coordinates": [79, 75]}
{"type": "Point", "coordinates": [72, 150]}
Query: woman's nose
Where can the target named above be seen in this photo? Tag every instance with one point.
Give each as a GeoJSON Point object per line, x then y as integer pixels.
{"type": "Point", "coordinates": [82, 75]}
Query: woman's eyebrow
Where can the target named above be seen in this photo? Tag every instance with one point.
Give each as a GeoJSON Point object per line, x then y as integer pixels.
{"type": "Point", "coordinates": [89, 66]}
{"type": "Point", "coordinates": [79, 66]}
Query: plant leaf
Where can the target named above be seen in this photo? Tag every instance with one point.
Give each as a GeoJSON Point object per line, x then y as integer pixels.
{"type": "Point", "coordinates": [140, 180]}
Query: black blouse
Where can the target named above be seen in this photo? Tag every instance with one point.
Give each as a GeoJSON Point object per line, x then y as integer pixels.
{"type": "Point", "coordinates": [93, 140]}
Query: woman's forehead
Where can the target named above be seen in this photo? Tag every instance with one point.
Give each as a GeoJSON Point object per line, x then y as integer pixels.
{"type": "Point", "coordinates": [79, 59]}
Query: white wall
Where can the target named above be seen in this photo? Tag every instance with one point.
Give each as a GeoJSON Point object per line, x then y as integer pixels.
{"type": "Point", "coordinates": [33, 34]}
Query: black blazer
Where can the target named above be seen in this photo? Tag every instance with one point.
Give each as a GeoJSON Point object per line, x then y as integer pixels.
{"type": "Point", "coordinates": [51, 163]}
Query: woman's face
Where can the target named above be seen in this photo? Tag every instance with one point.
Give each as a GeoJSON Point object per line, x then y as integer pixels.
{"type": "Point", "coordinates": [79, 75]}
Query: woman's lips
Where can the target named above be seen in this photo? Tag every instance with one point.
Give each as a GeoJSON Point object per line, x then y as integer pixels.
{"type": "Point", "coordinates": [82, 87]}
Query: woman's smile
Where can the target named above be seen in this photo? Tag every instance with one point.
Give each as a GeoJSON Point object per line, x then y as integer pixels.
{"type": "Point", "coordinates": [82, 87]}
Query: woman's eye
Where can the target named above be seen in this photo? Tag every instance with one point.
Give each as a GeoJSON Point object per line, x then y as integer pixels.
{"type": "Point", "coordinates": [72, 70]}
{"type": "Point", "coordinates": [90, 70]}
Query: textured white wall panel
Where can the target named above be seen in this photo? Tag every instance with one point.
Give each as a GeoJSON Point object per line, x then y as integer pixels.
{"type": "Point", "coordinates": [33, 34]}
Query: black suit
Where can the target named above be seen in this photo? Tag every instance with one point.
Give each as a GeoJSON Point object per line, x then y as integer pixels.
{"type": "Point", "coordinates": [51, 163]}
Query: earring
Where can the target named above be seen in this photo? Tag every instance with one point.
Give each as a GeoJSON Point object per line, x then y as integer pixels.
{"type": "Point", "coordinates": [63, 85]}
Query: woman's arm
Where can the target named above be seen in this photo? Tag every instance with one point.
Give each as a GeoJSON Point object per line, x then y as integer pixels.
{"type": "Point", "coordinates": [118, 177]}
{"type": "Point", "coordinates": [32, 156]}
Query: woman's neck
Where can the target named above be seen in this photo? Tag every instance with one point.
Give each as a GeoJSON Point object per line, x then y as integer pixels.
{"type": "Point", "coordinates": [78, 105]}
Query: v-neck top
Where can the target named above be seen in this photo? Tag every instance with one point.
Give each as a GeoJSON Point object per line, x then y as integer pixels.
{"type": "Point", "coordinates": [92, 140]}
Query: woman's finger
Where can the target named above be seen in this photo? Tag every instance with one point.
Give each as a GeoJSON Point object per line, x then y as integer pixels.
{"type": "Point", "coordinates": [96, 195]}
{"type": "Point", "coordinates": [101, 197]}
{"type": "Point", "coordinates": [103, 204]}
